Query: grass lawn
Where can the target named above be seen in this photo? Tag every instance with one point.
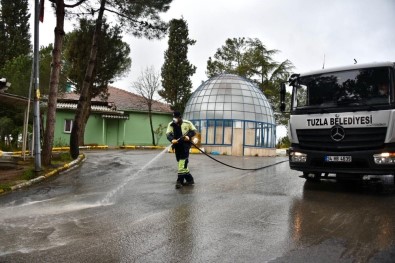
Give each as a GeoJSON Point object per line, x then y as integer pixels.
{"type": "Point", "coordinates": [16, 170]}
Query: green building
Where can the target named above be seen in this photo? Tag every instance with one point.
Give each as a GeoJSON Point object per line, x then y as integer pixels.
{"type": "Point", "coordinates": [120, 120]}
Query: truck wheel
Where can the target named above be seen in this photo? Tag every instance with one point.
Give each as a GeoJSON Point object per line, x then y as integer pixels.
{"type": "Point", "coordinates": [387, 184]}
{"type": "Point", "coordinates": [312, 177]}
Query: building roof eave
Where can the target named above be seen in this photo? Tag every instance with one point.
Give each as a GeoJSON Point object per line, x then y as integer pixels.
{"type": "Point", "coordinates": [15, 100]}
{"type": "Point", "coordinates": [94, 108]}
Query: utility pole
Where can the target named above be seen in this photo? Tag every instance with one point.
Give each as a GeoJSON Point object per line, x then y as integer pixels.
{"type": "Point", "coordinates": [36, 120]}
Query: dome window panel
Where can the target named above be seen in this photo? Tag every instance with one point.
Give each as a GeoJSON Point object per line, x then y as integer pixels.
{"type": "Point", "coordinates": [210, 114]}
{"type": "Point", "coordinates": [236, 92]}
{"type": "Point", "coordinates": [238, 107]}
{"type": "Point", "coordinates": [236, 86]}
{"type": "Point", "coordinates": [249, 107]}
{"type": "Point", "coordinates": [219, 114]}
{"type": "Point", "coordinates": [258, 109]}
{"type": "Point", "coordinates": [249, 116]}
{"type": "Point", "coordinates": [203, 107]}
{"type": "Point", "coordinates": [227, 115]}
{"type": "Point", "coordinates": [238, 99]}
{"type": "Point", "coordinates": [221, 91]}
{"type": "Point", "coordinates": [219, 106]}
{"type": "Point", "coordinates": [195, 107]}
{"type": "Point", "coordinates": [227, 106]}
{"type": "Point", "coordinates": [248, 100]}
{"type": "Point", "coordinates": [220, 98]}
{"type": "Point", "coordinates": [214, 92]}
{"type": "Point", "coordinates": [196, 115]}
{"type": "Point", "coordinates": [246, 93]}
{"type": "Point", "coordinates": [238, 115]}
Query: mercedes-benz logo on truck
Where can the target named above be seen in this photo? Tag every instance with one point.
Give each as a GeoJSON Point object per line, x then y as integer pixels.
{"type": "Point", "coordinates": [337, 133]}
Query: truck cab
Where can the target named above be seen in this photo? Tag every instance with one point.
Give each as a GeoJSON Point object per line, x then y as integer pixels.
{"type": "Point", "coordinates": [342, 122]}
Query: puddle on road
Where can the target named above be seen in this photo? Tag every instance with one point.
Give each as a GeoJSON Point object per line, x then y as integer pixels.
{"type": "Point", "coordinates": [46, 207]}
{"type": "Point", "coordinates": [69, 204]}
{"type": "Point", "coordinates": [107, 200]}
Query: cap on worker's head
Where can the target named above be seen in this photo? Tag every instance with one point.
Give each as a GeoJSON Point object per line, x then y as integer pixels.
{"type": "Point", "coordinates": [176, 114]}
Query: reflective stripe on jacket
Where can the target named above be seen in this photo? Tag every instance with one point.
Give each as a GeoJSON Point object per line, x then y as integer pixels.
{"type": "Point", "coordinates": [174, 131]}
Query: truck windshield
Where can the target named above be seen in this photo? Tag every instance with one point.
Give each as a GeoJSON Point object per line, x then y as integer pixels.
{"type": "Point", "coordinates": [352, 88]}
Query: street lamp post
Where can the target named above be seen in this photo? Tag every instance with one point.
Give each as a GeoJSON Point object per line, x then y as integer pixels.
{"type": "Point", "coordinates": [36, 120]}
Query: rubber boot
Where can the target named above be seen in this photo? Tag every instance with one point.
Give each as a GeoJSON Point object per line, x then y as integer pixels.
{"type": "Point", "coordinates": [189, 179]}
{"type": "Point", "coordinates": [180, 181]}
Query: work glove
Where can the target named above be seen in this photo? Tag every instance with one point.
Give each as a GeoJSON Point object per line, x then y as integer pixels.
{"type": "Point", "coordinates": [174, 141]}
{"type": "Point", "coordinates": [186, 138]}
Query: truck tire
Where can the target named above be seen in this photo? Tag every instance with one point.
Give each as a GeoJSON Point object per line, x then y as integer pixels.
{"type": "Point", "coordinates": [387, 184]}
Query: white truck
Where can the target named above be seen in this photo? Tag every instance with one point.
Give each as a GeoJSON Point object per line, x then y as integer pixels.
{"type": "Point", "coordinates": [342, 122]}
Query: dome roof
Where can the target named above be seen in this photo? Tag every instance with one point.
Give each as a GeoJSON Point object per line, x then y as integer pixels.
{"type": "Point", "coordinates": [229, 96]}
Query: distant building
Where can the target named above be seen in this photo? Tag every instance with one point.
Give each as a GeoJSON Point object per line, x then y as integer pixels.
{"type": "Point", "coordinates": [233, 116]}
{"type": "Point", "coordinates": [120, 120]}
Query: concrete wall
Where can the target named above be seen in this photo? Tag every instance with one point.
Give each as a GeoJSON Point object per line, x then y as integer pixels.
{"type": "Point", "coordinates": [248, 151]}
{"type": "Point", "coordinates": [236, 139]}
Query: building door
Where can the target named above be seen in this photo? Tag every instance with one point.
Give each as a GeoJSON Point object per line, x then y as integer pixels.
{"type": "Point", "coordinates": [238, 142]}
{"type": "Point", "coordinates": [112, 132]}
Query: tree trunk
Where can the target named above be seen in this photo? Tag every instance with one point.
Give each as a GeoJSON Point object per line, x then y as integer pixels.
{"type": "Point", "coordinates": [84, 101]}
{"type": "Point", "coordinates": [150, 122]}
{"type": "Point", "coordinates": [85, 118]}
{"type": "Point", "coordinates": [54, 83]}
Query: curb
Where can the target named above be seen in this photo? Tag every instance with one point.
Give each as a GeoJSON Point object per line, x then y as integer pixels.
{"type": "Point", "coordinates": [54, 149]}
{"type": "Point", "coordinates": [64, 168]}
{"type": "Point", "coordinates": [134, 147]}
{"type": "Point", "coordinates": [192, 150]}
{"type": "Point", "coordinates": [97, 147]}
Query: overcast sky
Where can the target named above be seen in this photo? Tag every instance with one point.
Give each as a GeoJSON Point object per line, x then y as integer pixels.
{"type": "Point", "coordinates": [303, 31]}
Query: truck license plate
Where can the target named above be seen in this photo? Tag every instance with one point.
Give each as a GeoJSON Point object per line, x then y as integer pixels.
{"type": "Point", "coordinates": [343, 159]}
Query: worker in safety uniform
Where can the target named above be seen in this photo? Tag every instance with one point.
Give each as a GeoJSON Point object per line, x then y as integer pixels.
{"type": "Point", "coordinates": [179, 133]}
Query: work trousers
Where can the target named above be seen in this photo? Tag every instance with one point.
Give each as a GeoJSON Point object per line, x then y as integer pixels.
{"type": "Point", "coordinates": [183, 167]}
{"type": "Point", "coordinates": [182, 157]}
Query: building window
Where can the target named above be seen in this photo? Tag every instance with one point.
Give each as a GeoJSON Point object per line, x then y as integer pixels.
{"type": "Point", "coordinates": [68, 125]}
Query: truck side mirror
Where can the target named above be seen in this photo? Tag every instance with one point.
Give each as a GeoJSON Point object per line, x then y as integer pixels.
{"type": "Point", "coordinates": [283, 91]}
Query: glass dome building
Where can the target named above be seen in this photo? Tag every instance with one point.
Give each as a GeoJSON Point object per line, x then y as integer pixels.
{"type": "Point", "coordinates": [233, 117]}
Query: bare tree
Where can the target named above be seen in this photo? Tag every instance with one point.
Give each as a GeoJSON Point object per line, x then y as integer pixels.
{"type": "Point", "coordinates": [146, 86]}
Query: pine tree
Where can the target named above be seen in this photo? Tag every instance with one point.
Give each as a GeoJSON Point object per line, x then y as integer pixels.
{"type": "Point", "coordinates": [112, 60]}
{"type": "Point", "coordinates": [14, 30]}
{"type": "Point", "coordinates": [176, 70]}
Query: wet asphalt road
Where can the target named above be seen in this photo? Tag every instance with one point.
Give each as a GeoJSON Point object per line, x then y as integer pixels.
{"type": "Point", "coordinates": [121, 206]}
